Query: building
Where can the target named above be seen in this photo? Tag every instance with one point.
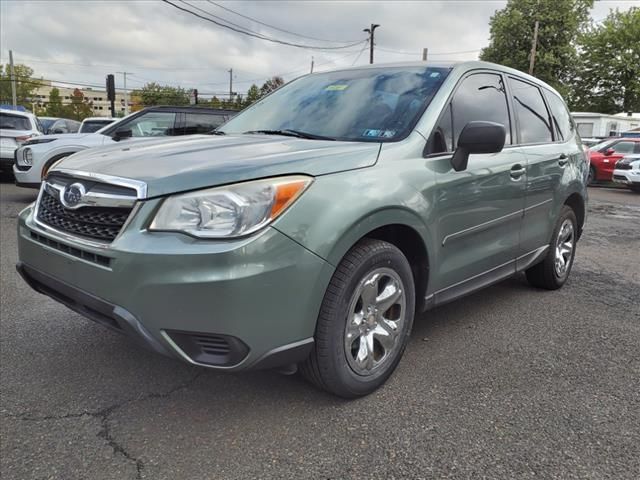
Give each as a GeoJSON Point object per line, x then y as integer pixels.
{"type": "Point", "coordinates": [602, 125]}
{"type": "Point", "coordinates": [96, 98]}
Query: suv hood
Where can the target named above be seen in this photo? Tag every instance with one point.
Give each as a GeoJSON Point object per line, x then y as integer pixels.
{"type": "Point", "coordinates": [173, 165]}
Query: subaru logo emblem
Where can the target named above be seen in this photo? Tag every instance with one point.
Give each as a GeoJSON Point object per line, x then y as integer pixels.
{"type": "Point", "coordinates": [72, 195]}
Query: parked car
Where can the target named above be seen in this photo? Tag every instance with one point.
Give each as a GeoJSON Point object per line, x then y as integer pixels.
{"type": "Point", "coordinates": [590, 142]}
{"type": "Point", "coordinates": [93, 124]}
{"type": "Point", "coordinates": [47, 122]}
{"type": "Point", "coordinates": [35, 158]}
{"type": "Point", "coordinates": [316, 223]}
{"type": "Point", "coordinates": [627, 172]}
{"type": "Point", "coordinates": [63, 125]}
{"type": "Point", "coordinates": [604, 156]}
{"type": "Point", "coordinates": [16, 127]}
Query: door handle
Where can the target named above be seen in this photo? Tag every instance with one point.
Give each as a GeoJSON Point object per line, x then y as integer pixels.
{"type": "Point", "coordinates": [563, 159]}
{"type": "Point", "coordinates": [517, 171]}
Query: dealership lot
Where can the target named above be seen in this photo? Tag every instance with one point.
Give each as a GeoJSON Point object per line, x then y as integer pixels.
{"type": "Point", "coordinates": [507, 383]}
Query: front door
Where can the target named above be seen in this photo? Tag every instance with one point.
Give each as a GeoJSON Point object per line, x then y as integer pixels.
{"type": "Point", "coordinates": [479, 209]}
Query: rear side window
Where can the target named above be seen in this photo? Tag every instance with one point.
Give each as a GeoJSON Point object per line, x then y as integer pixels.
{"type": "Point", "coordinates": [14, 122]}
{"type": "Point", "coordinates": [560, 116]}
{"type": "Point", "coordinates": [533, 119]}
{"type": "Point", "coordinates": [480, 97]}
{"type": "Point", "coordinates": [201, 122]}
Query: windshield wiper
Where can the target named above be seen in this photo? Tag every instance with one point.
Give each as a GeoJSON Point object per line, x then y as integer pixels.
{"type": "Point", "coordinates": [291, 133]}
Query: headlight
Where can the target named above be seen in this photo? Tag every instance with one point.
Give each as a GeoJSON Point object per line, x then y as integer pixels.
{"type": "Point", "coordinates": [231, 211]}
{"type": "Point", "coordinates": [27, 156]}
{"type": "Point", "coordinates": [35, 141]}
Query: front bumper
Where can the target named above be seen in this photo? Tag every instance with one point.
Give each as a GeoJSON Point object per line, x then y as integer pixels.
{"type": "Point", "coordinates": [627, 177]}
{"type": "Point", "coordinates": [257, 297]}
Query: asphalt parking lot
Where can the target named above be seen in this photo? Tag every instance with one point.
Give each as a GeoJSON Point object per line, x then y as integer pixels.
{"type": "Point", "coordinates": [511, 382]}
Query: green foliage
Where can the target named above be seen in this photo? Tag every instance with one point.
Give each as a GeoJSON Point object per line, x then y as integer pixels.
{"type": "Point", "coordinates": [25, 85]}
{"type": "Point", "coordinates": [78, 109]}
{"type": "Point", "coordinates": [155, 94]}
{"type": "Point", "coordinates": [560, 22]}
{"type": "Point", "coordinates": [608, 79]}
{"type": "Point", "coordinates": [54, 106]}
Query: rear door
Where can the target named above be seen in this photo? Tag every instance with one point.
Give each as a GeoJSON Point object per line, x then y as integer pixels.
{"type": "Point", "coordinates": [547, 157]}
{"type": "Point", "coordinates": [479, 209]}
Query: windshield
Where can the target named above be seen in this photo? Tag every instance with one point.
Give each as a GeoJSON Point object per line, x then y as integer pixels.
{"type": "Point", "coordinates": [47, 122]}
{"type": "Point", "coordinates": [14, 122]}
{"type": "Point", "coordinates": [601, 145]}
{"type": "Point", "coordinates": [373, 104]}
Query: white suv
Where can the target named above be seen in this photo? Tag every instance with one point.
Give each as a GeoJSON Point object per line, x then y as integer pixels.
{"type": "Point", "coordinates": [15, 129]}
{"type": "Point", "coordinates": [627, 172]}
{"type": "Point", "coordinates": [35, 157]}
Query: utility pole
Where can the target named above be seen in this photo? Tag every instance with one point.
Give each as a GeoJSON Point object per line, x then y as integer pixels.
{"type": "Point", "coordinates": [13, 81]}
{"type": "Point", "coordinates": [425, 51]}
{"type": "Point", "coordinates": [126, 97]}
{"type": "Point", "coordinates": [312, 64]}
{"type": "Point", "coordinates": [230, 84]}
{"type": "Point", "coordinates": [532, 62]}
{"type": "Point", "coordinates": [371, 31]}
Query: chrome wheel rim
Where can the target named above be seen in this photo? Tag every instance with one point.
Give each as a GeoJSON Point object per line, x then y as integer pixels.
{"type": "Point", "coordinates": [375, 321]}
{"type": "Point", "coordinates": [564, 248]}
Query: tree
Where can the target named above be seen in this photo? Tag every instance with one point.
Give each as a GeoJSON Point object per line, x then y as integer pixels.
{"type": "Point", "coordinates": [608, 79]}
{"type": "Point", "coordinates": [271, 85]}
{"type": "Point", "coordinates": [25, 85]}
{"type": "Point", "coordinates": [54, 107]}
{"type": "Point", "coordinates": [156, 94]}
{"type": "Point", "coordinates": [560, 22]}
{"type": "Point", "coordinates": [79, 109]}
{"type": "Point", "coordinates": [253, 95]}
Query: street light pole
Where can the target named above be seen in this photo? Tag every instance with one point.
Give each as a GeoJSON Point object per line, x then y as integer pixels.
{"type": "Point", "coordinates": [126, 97]}
{"type": "Point", "coordinates": [371, 32]}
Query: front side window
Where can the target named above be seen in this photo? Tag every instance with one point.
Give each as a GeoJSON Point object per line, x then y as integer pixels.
{"type": "Point", "coordinates": [151, 124]}
{"type": "Point", "coordinates": [533, 117]}
{"type": "Point", "coordinates": [201, 122]}
{"type": "Point", "coordinates": [623, 147]}
{"type": "Point", "coordinates": [560, 115]}
{"type": "Point", "coordinates": [480, 97]}
{"type": "Point", "coordinates": [369, 104]}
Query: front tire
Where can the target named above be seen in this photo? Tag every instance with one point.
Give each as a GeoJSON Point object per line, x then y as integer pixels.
{"type": "Point", "coordinates": [592, 176]}
{"type": "Point", "coordinates": [553, 271]}
{"type": "Point", "coordinates": [365, 321]}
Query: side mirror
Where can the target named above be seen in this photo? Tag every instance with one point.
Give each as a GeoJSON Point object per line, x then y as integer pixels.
{"type": "Point", "coordinates": [477, 137]}
{"type": "Point", "coordinates": [122, 133]}
{"type": "Point", "coordinates": [609, 151]}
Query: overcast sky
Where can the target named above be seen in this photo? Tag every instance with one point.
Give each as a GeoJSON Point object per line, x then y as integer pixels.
{"type": "Point", "coordinates": [82, 41]}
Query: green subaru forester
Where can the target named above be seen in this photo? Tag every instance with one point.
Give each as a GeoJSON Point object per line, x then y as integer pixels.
{"type": "Point", "coordinates": [310, 229]}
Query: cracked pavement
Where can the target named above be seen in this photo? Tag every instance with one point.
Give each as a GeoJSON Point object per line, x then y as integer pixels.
{"type": "Point", "coordinates": [510, 382]}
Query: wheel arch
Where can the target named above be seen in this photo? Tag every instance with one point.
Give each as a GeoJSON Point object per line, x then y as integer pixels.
{"type": "Point", "coordinates": [54, 158]}
{"type": "Point", "coordinates": [577, 203]}
{"type": "Point", "coordinates": [403, 230]}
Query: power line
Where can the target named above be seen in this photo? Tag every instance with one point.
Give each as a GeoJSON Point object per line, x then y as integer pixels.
{"type": "Point", "coordinates": [402, 52]}
{"type": "Point", "coordinates": [261, 37]}
{"type": "Point", "coordinates": [274, 27]}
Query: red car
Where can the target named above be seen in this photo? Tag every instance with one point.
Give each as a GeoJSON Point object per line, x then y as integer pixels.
{"type": "Point", "coordinates": [605, 155]}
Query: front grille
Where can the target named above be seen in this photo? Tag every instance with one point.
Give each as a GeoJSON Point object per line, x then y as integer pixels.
{"type": "Point", "coordinates": [620, 177]}
{"type": "Point", "coordinates": [100, 223]}
{"type": "Point", "coordinates": [623, 166]}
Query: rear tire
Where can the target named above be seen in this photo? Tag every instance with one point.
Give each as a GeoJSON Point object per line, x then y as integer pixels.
{"type": "Point", "coordinates": [635, 188]}
{"type": "Point", "coordinates": [365, 321]}
{"type": "Point", "coordinates": [554, 270]}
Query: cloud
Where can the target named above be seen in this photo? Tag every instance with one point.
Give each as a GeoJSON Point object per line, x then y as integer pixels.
{"type": "Point", "coordinates": [157, 42]}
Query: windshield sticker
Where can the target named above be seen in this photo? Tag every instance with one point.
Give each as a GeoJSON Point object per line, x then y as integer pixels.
{"type": "Point", "coordinates": [333, 88]}
{"type": "Point", "coordinates": [379, 133]}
